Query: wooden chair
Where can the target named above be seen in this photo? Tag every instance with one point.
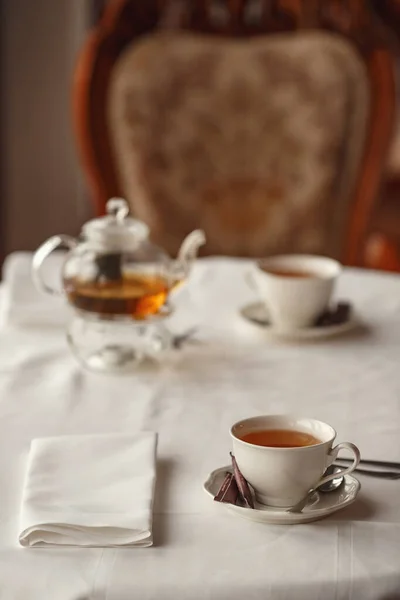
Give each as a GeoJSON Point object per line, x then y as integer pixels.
{"type": "Point", "coordinates": [266, 122]}
{"type": "Point", "coordinates": [383, 249]}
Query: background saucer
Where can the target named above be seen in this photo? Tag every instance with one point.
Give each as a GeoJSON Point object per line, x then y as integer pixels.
{"type": "Point", "coordinates": [257, 313]}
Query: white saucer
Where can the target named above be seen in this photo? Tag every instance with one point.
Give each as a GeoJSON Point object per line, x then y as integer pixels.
{"type": "Point", "coordinates": [257, 313]}
{"type": "Point", "coordinates": [318, 507]}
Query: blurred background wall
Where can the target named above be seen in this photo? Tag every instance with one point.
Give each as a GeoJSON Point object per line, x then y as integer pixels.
{"type": "Point", "coordinates": [42, 187]}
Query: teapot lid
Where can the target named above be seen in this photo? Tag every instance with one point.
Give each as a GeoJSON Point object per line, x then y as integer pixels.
{"type": "Point", "coordinates": [116, 231]}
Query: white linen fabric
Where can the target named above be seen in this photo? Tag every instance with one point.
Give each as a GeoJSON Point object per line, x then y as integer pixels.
{"type": "Point", "coordinates": [234, 371]}
{"type": "Point", "coordinates": [89, 490]}
{"type": "Point", "coordinates": [23, 304]}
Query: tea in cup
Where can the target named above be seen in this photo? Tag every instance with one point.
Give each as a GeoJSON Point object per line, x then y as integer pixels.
{"type": "Point", "coordinates": [283, 457]}
{"type": "Point", "coordinates": [295, 288]}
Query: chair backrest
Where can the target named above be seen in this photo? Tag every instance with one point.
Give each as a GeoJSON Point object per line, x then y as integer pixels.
{"type": "Point", "coordinates": [125, 21]}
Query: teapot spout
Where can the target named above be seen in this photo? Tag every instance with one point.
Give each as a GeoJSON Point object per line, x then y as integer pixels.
{"type": "Point", "coordinates": [188, 253]}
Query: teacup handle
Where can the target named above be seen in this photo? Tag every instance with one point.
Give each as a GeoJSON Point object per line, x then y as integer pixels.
{"type": "Point", "coordinates": [333, 454]}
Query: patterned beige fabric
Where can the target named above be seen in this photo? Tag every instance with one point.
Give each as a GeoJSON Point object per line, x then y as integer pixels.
{"type": "Point", "coordinates": [257, 141]}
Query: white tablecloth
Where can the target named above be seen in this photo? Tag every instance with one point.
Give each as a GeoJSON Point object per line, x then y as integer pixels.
{"type": "Point", "coordinates": [202, 552]}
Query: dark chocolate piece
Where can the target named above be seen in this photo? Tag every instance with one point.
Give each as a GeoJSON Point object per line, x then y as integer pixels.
{"type": "Point", "coordinates": [335, 316]}
{"type": "Point", "coordinates": [228, 492]}
{"type": "Point", "coordinates": [343, 311]}
{"type": "Point", "coordinates": [242, 484]}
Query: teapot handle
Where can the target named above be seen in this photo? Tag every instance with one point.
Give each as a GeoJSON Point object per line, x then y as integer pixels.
{"type": "Point", "coordinates": [42, 253]}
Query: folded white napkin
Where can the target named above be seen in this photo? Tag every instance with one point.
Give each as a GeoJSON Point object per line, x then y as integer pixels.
{"type": "Point", "coordinates": [90, 490]}
{"type": "Point", "coordinates": [22, 303]}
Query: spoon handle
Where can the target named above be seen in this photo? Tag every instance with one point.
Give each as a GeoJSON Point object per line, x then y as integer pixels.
{"type": "Point", "coordinates": [373, 463]}
{"type": "Point", "coordinates": [180, 339]}
{"type": "Point", "coordinates": [378, 474]}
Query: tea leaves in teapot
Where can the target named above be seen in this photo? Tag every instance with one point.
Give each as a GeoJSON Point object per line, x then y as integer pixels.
{"type": "Point", "coordinates": [109, 267]}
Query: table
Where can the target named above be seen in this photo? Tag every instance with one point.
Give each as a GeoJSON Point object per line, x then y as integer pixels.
{"type": "Point", "coordinates": [202, 552]}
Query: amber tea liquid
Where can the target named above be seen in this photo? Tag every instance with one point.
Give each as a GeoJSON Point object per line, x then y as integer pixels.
{"type": "Point", "coordinates": [280, 438]}
{"type": "Point", "coordinates": [133, 295]}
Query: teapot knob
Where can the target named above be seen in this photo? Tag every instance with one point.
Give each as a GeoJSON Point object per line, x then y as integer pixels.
{"type": "Point", "coordinates": [118, 208]}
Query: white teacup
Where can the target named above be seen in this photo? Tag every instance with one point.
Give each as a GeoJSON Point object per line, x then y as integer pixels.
{"type": "Point", "coordinates": [283, 476]}
{"type": "Point", "coordinates": [295, 288]}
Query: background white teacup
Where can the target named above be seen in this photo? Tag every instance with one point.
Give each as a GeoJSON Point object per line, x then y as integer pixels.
{"type": "Point", "coordinates": [295, 302]}
{"type": "Point", "coordinates": [283, 477]}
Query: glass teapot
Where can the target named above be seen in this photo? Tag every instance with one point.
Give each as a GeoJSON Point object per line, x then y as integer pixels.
{"type": "Point", "coordinates": [115, 271]}
{"type": "Point", "coordinates": [115, 275]}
